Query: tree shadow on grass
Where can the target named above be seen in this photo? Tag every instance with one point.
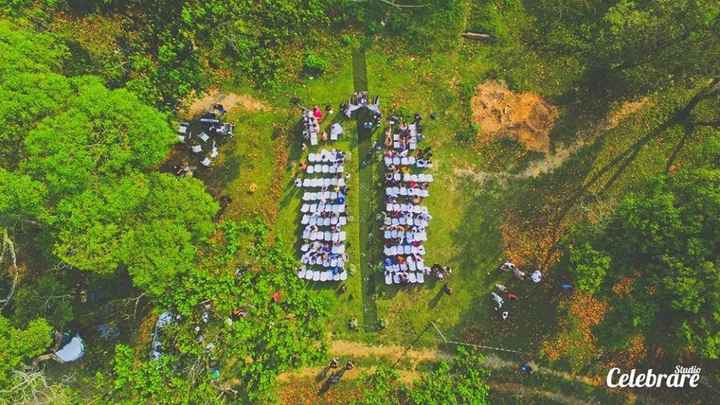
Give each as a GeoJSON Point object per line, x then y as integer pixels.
{"type": "Point", "coordinates": [478, 238]}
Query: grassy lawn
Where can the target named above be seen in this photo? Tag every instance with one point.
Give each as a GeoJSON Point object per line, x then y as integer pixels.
{"type": "Point", "coordinates": [463, 234]}
{"type": "Point", "coordinates": [468, 217]}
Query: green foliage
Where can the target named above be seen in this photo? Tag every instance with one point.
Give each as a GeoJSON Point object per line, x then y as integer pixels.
{"type": "Point", "coordinates": [156, 381]}
{"type": "Point", "coordinates": [149, 224]}
{"type": "Point", "coordinates": [665, 238]}
{"type": "Point", "coordinates": [436, 24]}
{"type": "Point", "coordinates": [83, 173]}
{"type": "Point", "coordinates": [125, 135]}
{"type": "Point", "coordinates": [589, 267]}
{"type": "Point", "coordinates": [630, 47]}
{"type": "Point", "coordinates": [38, 53]}
{"type": "Point", "coordinates": [283, 325]}
{"type": "Point", "coordinates": [21, 198]}
{"type": "Point", "coordinates": [314, 65]}
{"type": "Point", "coordinates": [21, 345]}
{"type": "Point", "coordinates": [462, 381]}
{"type": "Point", "coordinates": [380, 387]}
{"type": "Point", "coordinates": [46, 297]}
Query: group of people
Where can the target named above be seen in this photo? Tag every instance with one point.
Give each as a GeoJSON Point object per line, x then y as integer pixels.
{"type": "Point", "coordinates": [311, 127]}
{"type": "Point", "coordinates": [502, 294]}
{"type": "Point", "coordinates": [324, 216]}
{"type": "Point", "coordinates": [405, 219]}
{"type": "Point", "coordinates": [439, 271]}
{"type": "Point", "coordinates": [536, 276]}
{"type": "Point", "coordinates": [361, 99]}
{"type": "Point", "coordinates": [401, 145]}
{"type": "Point", "coordinates": [335, 373]}
{"type": "Point", "coordinates": [203, 137]}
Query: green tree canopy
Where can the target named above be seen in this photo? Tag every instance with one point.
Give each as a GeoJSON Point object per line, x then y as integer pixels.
{"type": "Point", "coordinates": [21, 345]}
{"type": "Point", "coordinates": [250, 320]}
{"type": "Point", "coordinates": [665, 238]}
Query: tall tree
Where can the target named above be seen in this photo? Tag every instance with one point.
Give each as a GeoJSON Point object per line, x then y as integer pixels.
{"type": "Point", "coordinates": [664, 240]}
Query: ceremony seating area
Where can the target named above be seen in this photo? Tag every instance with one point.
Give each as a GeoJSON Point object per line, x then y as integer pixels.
{"type": "Point", "coordinates": [405, 218]}
{"type": "Point", "coordinates": [324, 216]}
{"type": "Point", "coordinates": [203, 136]}
{"type": "Point", "coordinates": [311, 127]}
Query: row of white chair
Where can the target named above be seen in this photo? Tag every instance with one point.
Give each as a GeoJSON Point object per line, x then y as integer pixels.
{"type": "Point", "coordinates": [326, 156]}
{"type": "Point", "coordinates": [409, 265]}
{"type": "Point", "coordinates": [413, 277]}
{"type": "Point", "coordinates": [324, 182]}
{"type": "Point", "coordinates": [337, 249]}
{"type": "Point", "coordinates": [322, 207]}
{"type": "Point", "coordinates": [406, 192]}
{"type": "Point", "coordinates": [409, 208]}
{"type": "Point", "coordinates": [404, 250]}
{"type": "Point", "coordinates": [320, 221]}
{"type": "Point", "coordinates": [326, 236]}
{"type": "Point", "coordinates": [320, 168]}
{"type": "Point", "coordinates": [316, 275]}
{"type": "Point", "coordinates": [320, 195]}
{"type": "Point", "coordinates": [408, 236]}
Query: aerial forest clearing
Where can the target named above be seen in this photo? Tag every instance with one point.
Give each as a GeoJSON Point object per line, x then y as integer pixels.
{"type": "Point", "coordinates": [331, 201]}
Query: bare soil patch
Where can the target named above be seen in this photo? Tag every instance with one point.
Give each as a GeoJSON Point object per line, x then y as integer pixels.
{"type": "Point", "coordinates": [356, 349]}
{"type": "Point", "coordinates": [229, 101]}
{"type": "Point", "coordinates": [524, 117]}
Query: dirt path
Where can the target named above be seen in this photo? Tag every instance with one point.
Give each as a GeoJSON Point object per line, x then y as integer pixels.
{"type": "Point", "coordinates": [494, 362]}
{"type": "Point", "coordinates": [393, 352]}
{"type": "Point", "coordinates": [406, 376]}
{"type": "Point", "coordinates": [344, 348]}
{"type": "Point", "coordinates": [554, 160]}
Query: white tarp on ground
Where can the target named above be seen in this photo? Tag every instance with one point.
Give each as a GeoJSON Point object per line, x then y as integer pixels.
{"type": "Point", "coordinates": [71, 351]}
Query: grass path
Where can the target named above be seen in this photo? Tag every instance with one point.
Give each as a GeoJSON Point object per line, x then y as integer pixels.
{"type": "Point", "coordinates": [364, 194]}
{"type": "Point", "coordinates": [412, 358]}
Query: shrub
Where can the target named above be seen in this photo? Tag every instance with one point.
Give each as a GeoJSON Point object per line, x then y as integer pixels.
{"type": "Point", "coordinates": [314, 65]}
{"type": "Point", "coordinates": [589, 267]}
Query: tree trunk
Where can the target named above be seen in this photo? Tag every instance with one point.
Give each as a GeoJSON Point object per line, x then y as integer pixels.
{"type": "Point", "coordinates": [476, 35]}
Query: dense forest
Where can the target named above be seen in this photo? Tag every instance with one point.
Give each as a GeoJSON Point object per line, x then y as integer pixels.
{"type": "Point", "coordinates": [100, 238]}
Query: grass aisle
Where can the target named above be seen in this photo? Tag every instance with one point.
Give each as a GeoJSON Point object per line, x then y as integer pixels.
{"type": "Point", "coordinates": [365, 193]}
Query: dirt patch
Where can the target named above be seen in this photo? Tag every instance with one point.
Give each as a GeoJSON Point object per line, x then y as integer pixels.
{"type": "Point", "coordinates": [355, 349]}
{"type": "Point", "coordinates": [229, 100]}
{"type": "Point", "coordinates": [624, 111]}
{"type": "Point", "coordinates": [524, 117]}
{"type": "Point", "coordinates": [406, 376]}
